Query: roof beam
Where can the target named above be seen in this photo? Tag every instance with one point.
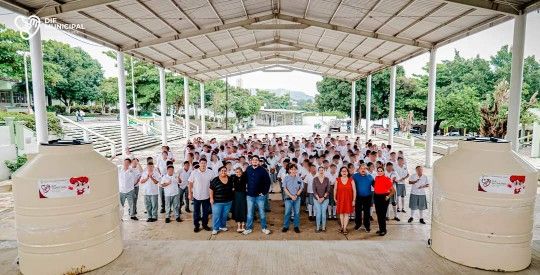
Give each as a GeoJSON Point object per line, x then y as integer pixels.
{"type": "Point", "coordinates": [281, 66]}
{"type": "Point", "coordinates": [184, 14]}
{"type": "Point", "coordinates": [278, 49]}
{"type": "Point", "coordinates": [498, 6]}
{"type": "Point", "coordinates": [197, 32]}
{"type": "Point", "coordinates": [374, 35]}
{"type": "Point", "coordinates": [76, 5]}
{"type": "Point", "coordinates": [532, 7]}
{"type": "Point", "coordinates": [488, 23]}
{"type": "Point", "coordinates": [15, 7]}
{"type": "Point", "coordinates": [218, 53]}
{"type": "Point", "coordinates": [234, 65]}
{"type": "Point", "coordinates": [262, 27]}
{"type": "Point", "coordinates": [321, 64]}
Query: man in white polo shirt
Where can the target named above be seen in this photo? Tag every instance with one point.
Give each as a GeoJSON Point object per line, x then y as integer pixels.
{"type": "Point", "coordinates": [149, 182]}
{"type": "Point", "coordinates": [199, 192]}
{"type": "Point", "coordinates": [126, 186]}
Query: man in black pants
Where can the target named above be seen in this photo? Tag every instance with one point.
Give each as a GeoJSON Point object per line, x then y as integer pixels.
{"type": "Point", "coordinates": [363, 182]}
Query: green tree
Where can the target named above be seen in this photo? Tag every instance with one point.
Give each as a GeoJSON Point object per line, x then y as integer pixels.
{"type": "Point", "coordinates": [11, 62]}
{"type": "Point", "coordinates": [108, 93]}
{"type": "Point", "coordinates": [459, 110]}
{"type": "Point", "coordinates": [272, 101]}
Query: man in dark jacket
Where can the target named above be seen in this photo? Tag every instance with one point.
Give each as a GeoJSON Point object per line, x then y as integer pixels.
{"type": "Point", "coordinates": [258, 185]}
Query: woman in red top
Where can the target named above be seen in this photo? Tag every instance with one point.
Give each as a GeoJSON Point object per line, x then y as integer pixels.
{"type": "Point", "coordinates": [383, 190]}
{"type": "Point", "coordinates": [345, 196]}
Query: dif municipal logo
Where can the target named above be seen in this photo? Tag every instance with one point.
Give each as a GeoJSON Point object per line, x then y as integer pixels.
{"type": "Point", "coordinates": [29, 26]}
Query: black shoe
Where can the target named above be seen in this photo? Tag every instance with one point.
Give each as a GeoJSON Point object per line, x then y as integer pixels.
{"type": "Point", "coordinates": [196, 230]}
{"type": "Point", "coordinates": [134, 218]}
{"type": "Point", "coordinates": [356, 227]}
{"type": "Point", "coordinates": [188, 211]}
{"type": "Point", "coordinates": [410, 220]}
{"type": "Point", "coordinates": [167, 220]}
{"type": "Point", "coordinates": [207, 228]}
{"type": "Point", "coordinates": [368, 230]}
{"type": "Point", "coordinates": [311, 218]}
{"type": "Point", "coordinates": [378, 232]}
{"type": "Point", "coordinates": [387, 219]}
{"type": "Point", "coordinates": [422, 221]}
{"type": "Point", "coordinates": [135, 213]}
{"type": "Point", "coordinates": [297, 230]}
{"type": "Point", "coordinates": [179, 219]}
{"type": "Point", "coordinates": [284, 229]}
{"type": "Point", "coordinates": [162, 211]}
{"type": "Point", "coordinates": [403, 211]}
{"type": "Point", "coordinates": [382, 233]}
{"type": "Point", "coordinates": [398, 210]}
{"type": "Point", "coordinates": [154, 220]}
{"type": "Point", "coordinates": [396, 219]}
{"type": "Point", "coordinates": [268, 210]}
{"type": "Point", "coordinates": [149, 220]}
{"type": "Point", "coordinates": [370, 218]}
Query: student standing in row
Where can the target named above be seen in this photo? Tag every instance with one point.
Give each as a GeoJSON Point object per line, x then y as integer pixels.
{"type": "Point", "coordinates": [292, 186]}
{"type": "Point", "coordinates": [137, 170]}
{"type": "Point", "coordinates": [199, 186]}
{"type": "Point", "coordinates": [183, 192]}
{"type": "Point", "coordinates": [149, 180]}
{"type": "Point", "coordinates": [126, 180]}
{"type": "Point", "coordinates": [221, 197]}
{"type": "Point", "coordinates": [169, 183]}
{"type": "Point", "coordinates": [403, 174]}
{"type": "Point", "coordinates": [321, 192]}
{"type": "Point", "coordinates": [417, 200]}
{"type": "Point", "coordinates": [345, 196]}
{"type": "Point", "coordinates": [384, 190]}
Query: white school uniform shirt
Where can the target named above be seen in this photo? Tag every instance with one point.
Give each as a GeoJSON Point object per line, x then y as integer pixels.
{"type": "Point", "coordinates": [170, 155]}
{"type": "Point", "coordinates": [402, 172]}
{"type": "Point", "coordinates": [171, 189]}
{"type": "Point", "coordinates": [415, 190]}
{"type": "Point", "coordinates": [149, 187]}
{"type": "Point", "coordinates": [309, 182]}
{"type": "Point", "coordinates": [126, 180]}
{"type": "Point", "coordinates": [137, 174]}
{"type": "Point", "coordinates": [201, 183]}
{"type": "Point", "coordinates": [392, 175]}
{"type": "Point", "coordinates": [162, 165]}
{"type": "Point", "coordinates": [331, 177]}
{"type": "Point", "coordinates": [282, 173]}
{"type": "Point", "coordinates": [215, 165]}
{"type": "Point", "coordinates": [184, 177]}
{"type": "Point", "coordinates": [273, 161]}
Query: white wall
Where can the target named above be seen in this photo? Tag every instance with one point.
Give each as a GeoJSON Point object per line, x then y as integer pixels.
{"type": "Point", "coordinates": [7, 152]}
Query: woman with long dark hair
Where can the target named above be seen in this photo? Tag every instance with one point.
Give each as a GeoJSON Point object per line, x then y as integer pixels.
{"type": "Point", "coordinates": [383, 190]}
{"type": "Point", "coordinates": [239, 212]}
{"type": "Point", "coordinates": [345, 196]}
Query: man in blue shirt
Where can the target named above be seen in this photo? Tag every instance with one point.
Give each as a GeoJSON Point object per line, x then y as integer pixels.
{"type": "Point", "coordinates": [364, 183]}
{"type": "Point", "coordinates": [258, 185]}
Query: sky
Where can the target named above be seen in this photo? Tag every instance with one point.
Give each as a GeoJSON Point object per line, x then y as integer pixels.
{"type": "Point", "coordinates": [484, 44]}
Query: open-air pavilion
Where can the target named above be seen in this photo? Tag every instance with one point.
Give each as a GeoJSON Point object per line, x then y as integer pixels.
{"type": "Point", "coordinates": [350, 40]}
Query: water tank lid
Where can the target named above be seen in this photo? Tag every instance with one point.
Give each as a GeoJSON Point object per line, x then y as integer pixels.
{"type": "Point", "coordinates": [59, 142]}
{"type": "Point", "coordinates": [486, 139]}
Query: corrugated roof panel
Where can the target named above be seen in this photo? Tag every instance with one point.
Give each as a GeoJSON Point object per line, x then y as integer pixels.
{"type": "Point", "coordinates": [321, 10]}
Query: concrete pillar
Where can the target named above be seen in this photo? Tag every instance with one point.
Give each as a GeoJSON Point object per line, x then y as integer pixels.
{"type": "Point", "coordinates": [163, 106]}
{"type": "Point", "coordinates": [38, 86]}
{"type": "Point", "coordinates": [203, 118]}
{"type": "Point", "coordinates": [122, 102]}
{"type": "Point", "coordinates": [186, 107]}
{"type": "Point", "coordinates": [431, 107]}
{"type": "Point", "coordinates": [392, 109]}
{"type": "Point", "coordinates": [368, 106]}
{"type": "Point", "coordinates": [516, 80]}
{"type": "Point", "coordinates": [353, 107]}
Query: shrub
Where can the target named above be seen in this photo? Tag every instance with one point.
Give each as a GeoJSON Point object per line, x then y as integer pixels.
{"type": "Point", "coordinates": [59, 109]}
{"type": "Point", "coordinates": [29, 121]}
{"type": "Point", "coordinates": [14, 165]}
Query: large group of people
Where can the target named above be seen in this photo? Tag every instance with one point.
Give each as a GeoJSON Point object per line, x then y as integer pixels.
{"type": "Point", "coordinates": [333, 178]}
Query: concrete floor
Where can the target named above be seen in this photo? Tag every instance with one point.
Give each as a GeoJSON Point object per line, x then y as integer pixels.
{"type": "Point", "coordinates": [174, 248]}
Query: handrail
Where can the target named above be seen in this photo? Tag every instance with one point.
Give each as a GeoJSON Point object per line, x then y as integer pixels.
{"type": "Point", "coordinates": [190, 123]}
{"type": "Point", "coordinates": [145, 124]}
{"type": "Point", "coordinates": [87, 130]}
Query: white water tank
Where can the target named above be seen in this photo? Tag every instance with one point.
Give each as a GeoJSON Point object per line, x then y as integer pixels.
{"type": "Point", "coordinates": [483, 206]}
{"type": "Point", "coordinates": [67, 210]}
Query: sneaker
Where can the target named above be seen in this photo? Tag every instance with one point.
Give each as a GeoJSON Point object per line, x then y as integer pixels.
{"type": "Point", "coordinates": [396, 219]}
{"type": "Point", "coordinates": [167, 220]}
{"type": "Point", "coordinates": [179, 219]}
{"type": "Point", "coordinates": [196, 230]}
{"type": "Point", "coordinates": [284, 230]}
{"type": "Point", "coordinates": [297, 230]}
{"type": "Point", "coordinates": [206, 228]}
{"type": "Point", "coordinates": [214, 232]}
{"type": "Point", "coordinates": [410, 220]}
{"type": "Point", "coordinates": [266, 231]}
{"type": "Point", "coordinates": [247, 231]}
{"type": "Point", "coordinates": [134, 218]}
{"type": "Point", "coordinates": [323, 229]}
{"type": "Point", "coordinates": [224, 229]}
{"type": "Point", "coordinates": [422, 221]}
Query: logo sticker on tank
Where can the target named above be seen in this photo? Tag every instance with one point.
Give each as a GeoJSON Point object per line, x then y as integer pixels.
{"type": "Point", "coordinates": [502, 184]}
{"type": "Point", "coordinates": [63, 188]}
